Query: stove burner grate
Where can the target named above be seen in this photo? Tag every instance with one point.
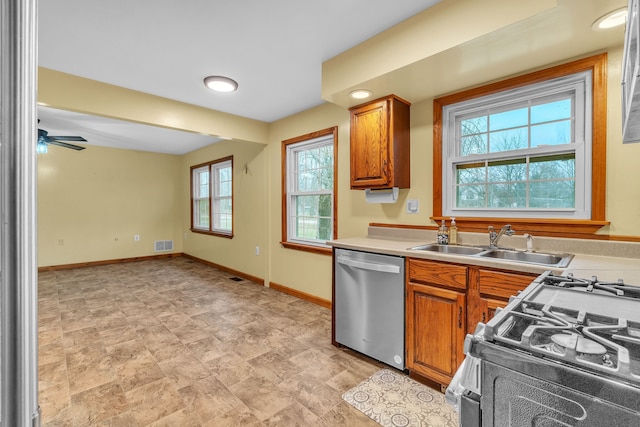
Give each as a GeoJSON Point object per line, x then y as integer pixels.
{"type": "Point", "coordinates": [618, 288]}
{"type": "Point", "coordinates": [582, 345]}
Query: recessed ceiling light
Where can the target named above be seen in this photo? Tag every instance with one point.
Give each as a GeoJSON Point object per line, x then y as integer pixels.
{"type": "Point", "coordinates": [360, 94]}
{"type": "Point", "coordinates": [221, 84]}
{"type": "Point", "coordinates": [610, 20]}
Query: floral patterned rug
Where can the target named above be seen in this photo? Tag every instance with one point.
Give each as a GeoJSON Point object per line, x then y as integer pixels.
{"type": "Point", "coordinates": [393, 399]}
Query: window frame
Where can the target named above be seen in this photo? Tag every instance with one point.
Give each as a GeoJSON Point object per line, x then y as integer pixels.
{"type": "Point", "coordinates": [213, 195]}
{"type": "Point", "coordinates": [597, 65]}
{"type": "Point", "coordinates": [309, 139]}
{"type": "Point", "coordinates": [573, 86]}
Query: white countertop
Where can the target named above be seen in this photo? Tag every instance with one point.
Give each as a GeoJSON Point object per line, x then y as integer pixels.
{"type": "Point", "coordinates": [584, 265]}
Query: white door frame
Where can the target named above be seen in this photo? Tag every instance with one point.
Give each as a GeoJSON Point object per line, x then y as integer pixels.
{"type": "Point", "coordinates": [18, 243]}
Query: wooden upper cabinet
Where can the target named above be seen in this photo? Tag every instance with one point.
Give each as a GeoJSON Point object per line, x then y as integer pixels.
{"type": "Point", "coordinates": [380, 144]}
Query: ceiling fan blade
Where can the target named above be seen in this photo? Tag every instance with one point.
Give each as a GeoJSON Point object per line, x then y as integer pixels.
{"type": "Point", "coordinates": [67, 138]}
{"type": "Point", "coordinates": [64, 144]}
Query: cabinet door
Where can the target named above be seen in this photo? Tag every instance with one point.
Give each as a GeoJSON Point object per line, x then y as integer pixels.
{"type": "Point", "coordinates": [370, 146]}
{"type": "Point", "coordinates": [435, 331]}
{"type": "Point", "coordinates": [489, 307]}
{"type": "Point", "coordinates": [491, 289]}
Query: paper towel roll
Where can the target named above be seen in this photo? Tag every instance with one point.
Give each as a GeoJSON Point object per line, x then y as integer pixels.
{"type": "Point", "coordinates": [381, 196]}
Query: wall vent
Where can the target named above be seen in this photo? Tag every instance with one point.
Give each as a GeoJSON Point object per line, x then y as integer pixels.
{"type": "Point", "coordinates": [164, 245]}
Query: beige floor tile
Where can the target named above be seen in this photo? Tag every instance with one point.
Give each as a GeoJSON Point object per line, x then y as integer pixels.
{"type": "Point", "coordinates": [293, 415]}
{"type": "Point", "coordinates": [209, 398]}
{"type": "Point", "coordinates": [154, 401]}
{"type": "Point", "coordinates": [137, 372]}
{"type": "Point", "coordinates": [314, 394]}
{"type": "Point", "coordinates": [184, 369]}
{"type": "Point", "coordinates": [98, 404]}
{"type": "Point", "coordinates": [230, 368]}
{"type": "Point", "coordinates": [274, 367]}
{"type": "Point", "coordinates": [80, 337]}
{"type": "Point", "coordinates": [207, 349]}
{"type": "Point", "coordinates": [88, 367]}
{"type": "Point", "coordinates": [346, 415]}
{"type": "Point", "coordinates": [261, 396]}
{"type": "Point", "coordinates": [176, 343]}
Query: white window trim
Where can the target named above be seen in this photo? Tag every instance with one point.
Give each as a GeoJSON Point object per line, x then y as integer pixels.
{"type": "Point", "coordinates": [196, 185]}
{"type": "Point", "coordinates": [581, 83]}
{"type": "Point", "coordinates": [216, 197]}
{"type": "Point", "coordinates": [292, 149]}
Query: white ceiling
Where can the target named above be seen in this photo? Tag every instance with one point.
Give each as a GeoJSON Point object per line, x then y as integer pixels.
{"type": "Point", "coordinates": [274, 49]}
{"type": "Point", "coordinates": [106, 132]}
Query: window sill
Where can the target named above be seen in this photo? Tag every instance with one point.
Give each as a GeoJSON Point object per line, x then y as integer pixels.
{"type": "Point", "coordinates": [307, 248]}
{"type": "Point", "coordinates": [213, 233]}
{"type": "Point", "coordinates": [537, 226]}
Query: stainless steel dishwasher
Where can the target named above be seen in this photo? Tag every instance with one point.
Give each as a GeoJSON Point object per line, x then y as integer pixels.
{"type": "Point", "coordinates": [369, 305]}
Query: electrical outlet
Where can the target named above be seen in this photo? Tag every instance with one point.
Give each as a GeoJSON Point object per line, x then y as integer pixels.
{"type": "Point", "coordinates": [60, 242]}
{"type": "Point", "coordinates": [136, 238]}
{"type": "Point", "coordinates": [257, 250]}
{"type": "Point", "coordinates": [412, 206]}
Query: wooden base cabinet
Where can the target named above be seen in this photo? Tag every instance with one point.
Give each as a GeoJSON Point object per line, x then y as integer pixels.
{"type": "Point", "coordinates": [490, 290]}
{"type": "Point", "coordinates": [436, 318]}
{"type": "Point", "coordinates": [435, 331]}
{"type": "Point", "coordinates": [444, 302]}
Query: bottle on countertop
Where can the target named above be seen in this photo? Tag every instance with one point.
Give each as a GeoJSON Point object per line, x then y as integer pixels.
{"type": "Point", "coordinates": [443, 234]}
{"type": "Point", "coordinates": [453, 232]}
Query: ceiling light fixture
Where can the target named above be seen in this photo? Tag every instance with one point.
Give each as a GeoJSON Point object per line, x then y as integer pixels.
{"type": "Point", "coordinates": [221, 84]}
{"type": "Point", "coordinates": [360, 94]}
{"type": "Point", "coordinates": [612, 19]}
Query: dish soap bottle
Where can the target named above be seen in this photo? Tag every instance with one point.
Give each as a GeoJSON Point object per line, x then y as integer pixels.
{"type": "Point", "coordinates": [443, 234]}
{"type": "Point", "coordinates": [453, 232]}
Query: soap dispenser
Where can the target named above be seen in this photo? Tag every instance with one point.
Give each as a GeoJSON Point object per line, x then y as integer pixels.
{"type": "Point", "coordinates": [443, 234]}
{"type": "Point", "coordinates": [453, 232]}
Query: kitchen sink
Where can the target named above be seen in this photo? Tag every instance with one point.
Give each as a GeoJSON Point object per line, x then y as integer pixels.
{"type": "Point", "coordinates": [555, 260]}
{"type": "Point", "coordinates": [558, 260]}
{"type": "Point", "coordinates": [449, 249]}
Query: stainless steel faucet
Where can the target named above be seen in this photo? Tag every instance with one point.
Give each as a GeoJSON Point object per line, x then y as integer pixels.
{"type": "Point", "coordinates": [494, 237]}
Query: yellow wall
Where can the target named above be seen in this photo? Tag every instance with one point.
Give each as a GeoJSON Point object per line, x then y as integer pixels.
{"type": "Point", "coordinates": [91, 203]}
{"type": "Point", "coordinates": [88, 199]}
{"type": "Point", "coordinates": [249, 211]}
{"type": "Point", "coordinates": [309, 272]}
{"type": "Point", "coordinates": [623, 173]}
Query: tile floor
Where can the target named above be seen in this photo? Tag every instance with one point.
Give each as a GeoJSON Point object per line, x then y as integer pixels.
{"type": "Point", "coordinates": [176, 343]}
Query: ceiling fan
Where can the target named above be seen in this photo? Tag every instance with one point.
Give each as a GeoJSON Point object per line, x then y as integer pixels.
{"type": "Point", "coordinates": [44, 139]}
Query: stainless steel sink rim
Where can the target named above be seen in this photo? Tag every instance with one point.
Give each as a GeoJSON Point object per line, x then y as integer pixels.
{"type": "Point", "coordinates": [562, 260]}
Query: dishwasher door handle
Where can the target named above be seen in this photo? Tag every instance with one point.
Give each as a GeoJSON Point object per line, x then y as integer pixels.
{"type": "Point", "coordinates": [373, 266]}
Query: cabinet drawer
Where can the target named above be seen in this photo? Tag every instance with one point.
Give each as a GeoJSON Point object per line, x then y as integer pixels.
{"type": "Point", "coordinates": [436, 273]}
{"type": "Point", "coordinates": [502, 285]}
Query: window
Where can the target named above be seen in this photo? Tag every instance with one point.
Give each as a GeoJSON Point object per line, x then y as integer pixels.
{"type": "Point", "coordinates": [519, 153]}
{"type": "Point", "coordinates": [527, 148]}
{"type": "Point", "coordinates": [212, 197]}
{"type": "Point", "coordinates": [309, 199]}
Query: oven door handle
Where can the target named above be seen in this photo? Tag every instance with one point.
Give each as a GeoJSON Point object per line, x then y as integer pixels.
{"type": "Point", "coordinates": [372, 266]}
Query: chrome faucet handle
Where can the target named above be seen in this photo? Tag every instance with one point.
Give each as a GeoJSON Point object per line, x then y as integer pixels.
{"type": "Point", "coordinates": [495, 237]}
{"type": "Point", "coordinates": [492, 236]}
